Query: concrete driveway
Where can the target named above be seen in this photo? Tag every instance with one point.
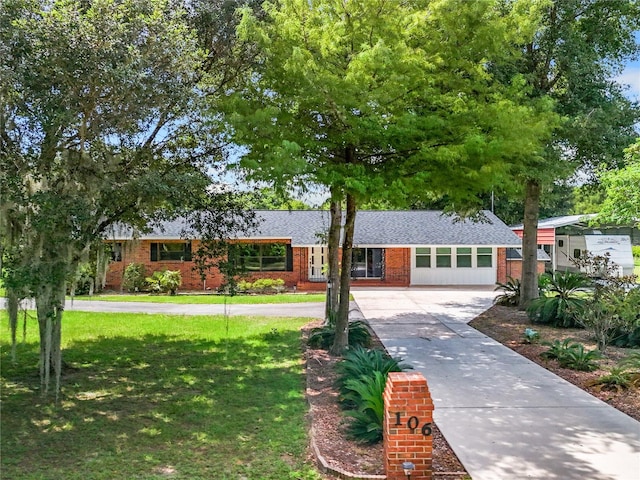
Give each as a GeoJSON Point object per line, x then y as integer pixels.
{"type": "Point", "coordinates": [505, 417]}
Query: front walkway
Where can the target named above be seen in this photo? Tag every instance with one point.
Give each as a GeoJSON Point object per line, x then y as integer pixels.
{"type": "Point", "coordinates": [504, 416]}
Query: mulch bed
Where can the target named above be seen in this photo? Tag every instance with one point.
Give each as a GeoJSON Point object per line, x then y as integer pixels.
{"type": "Point", "coordinates": [328, 427]}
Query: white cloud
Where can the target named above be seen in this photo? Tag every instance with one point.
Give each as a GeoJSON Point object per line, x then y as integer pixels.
{"type": "Point", "coordinates": [631, 77]}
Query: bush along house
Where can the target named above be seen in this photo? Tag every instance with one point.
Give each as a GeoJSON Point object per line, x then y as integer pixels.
{"type": "Point", "coordinates": [391, 248]}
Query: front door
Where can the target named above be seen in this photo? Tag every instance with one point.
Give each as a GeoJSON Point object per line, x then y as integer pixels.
{"type": "Point", "coordinates": [317, 260]}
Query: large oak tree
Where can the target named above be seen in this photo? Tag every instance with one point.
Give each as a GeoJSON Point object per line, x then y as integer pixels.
{"type": "Point", "coordinates": [100, 123]}
{"type": "Point", "coordinates": [575, 53]}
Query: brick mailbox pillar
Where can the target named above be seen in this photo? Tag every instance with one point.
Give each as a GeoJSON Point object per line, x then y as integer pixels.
{"type": "Point", "coordinates": [408, 418]}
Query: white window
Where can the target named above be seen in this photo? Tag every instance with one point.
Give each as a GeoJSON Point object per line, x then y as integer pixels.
{"type": "Point", "coordinates": [463, 257]}
{"type": "Point", "coordinates": [423, 257]}
{"type": "Point", "coordinates": [443, 257]}
{"type": "Point", "coordinates": [484, 257]}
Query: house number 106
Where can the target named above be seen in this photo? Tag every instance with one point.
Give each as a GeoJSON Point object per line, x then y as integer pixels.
{"type": "Point", "coordinates": [413, 423]}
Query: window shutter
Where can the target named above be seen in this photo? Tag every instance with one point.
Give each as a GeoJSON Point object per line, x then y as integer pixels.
{"type": "Point", "coordinates": [154, 252]}
{"type": "Point", "coordinates": [289, 258]}
{"type": "Point", "coordinates": [187, 252]}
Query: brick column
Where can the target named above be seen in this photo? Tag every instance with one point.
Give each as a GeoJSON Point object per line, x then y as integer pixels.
{"type": "Point", "coordinates": [407, 426]}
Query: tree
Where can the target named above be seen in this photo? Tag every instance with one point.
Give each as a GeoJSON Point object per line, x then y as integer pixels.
{"type": "Point", "coordinates": [100, 124]}
{"type": "Point", "coordinates": [378, 99]}
{"type": "Point", "coordinates": [270, 199]}
{"type": "Point", "coordinates": [622, 201]}
{"type": "Point", "coordinates": [577, 48]}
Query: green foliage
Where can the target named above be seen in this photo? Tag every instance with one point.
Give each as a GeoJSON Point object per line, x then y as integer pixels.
{"type": "Point", "coordinates": [622, 202]}
{"type": "Point", "coordinates": [563, 299]}
{"type": "Point", "coordinates": [83, 282]}
{"type": "Point", "coordinates": [617, 379]}
{"type": "Point", "coordinates": [98, 128]}
{"type": "Point", "coordinates": [323, 337]}
{"type": "Point", "coordinates": [510, 295]}
{"type": "Point", "coordinates": [262, 285]}
{"type": "Point", "coordinates": [367, 419]}
{"type": "Point", "coordinates": [631, 361]}
{"type": "Point", "coordinates": [612, 314]}
{"type": "Point", "coordinates": [572, 355]}
{"type": "Point", "coordinates": [624, 375]}
{"type": "Point", "coordinates": [362, 378]}
{"type": "Point", "coordinates": [570, 60]}
{"type": "Point", "coordinates": [635, 249]}
{"type": "Point", "coordinates": [166, 281]}
{"type": "Point", "coordinates": [359, 362]}
{"type": "Point", "coordinates": [134, 279]}
{"type": "Point", "coordinates": [557, 348]}
{"type": "Point", "coordinates": [577, 358]}
{"type": "Point", "coordinates": [386, 106]}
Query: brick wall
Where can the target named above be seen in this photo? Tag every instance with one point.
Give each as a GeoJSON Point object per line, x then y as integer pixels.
{"type": "Point", "coordinates": [514, 269]}
{"type": "Point", "coordinates": [407, 432]}
{"type": "Point", "coordinates": [140, 252]}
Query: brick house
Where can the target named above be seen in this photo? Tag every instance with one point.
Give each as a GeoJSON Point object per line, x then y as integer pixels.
{"type": "Point", "coordinates": [391, 248]}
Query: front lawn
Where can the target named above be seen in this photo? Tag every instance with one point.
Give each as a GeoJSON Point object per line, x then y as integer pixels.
{"type": "Point", "coordinates": [199, 299]}
{"type": "Point", "coordinates": [157, 397]}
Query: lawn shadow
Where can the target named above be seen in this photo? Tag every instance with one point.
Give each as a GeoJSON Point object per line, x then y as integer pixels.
{"type": "Point", "coordinates": [142, 407]}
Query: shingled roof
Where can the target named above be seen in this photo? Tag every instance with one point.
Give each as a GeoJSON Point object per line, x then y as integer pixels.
{"type": "Point", "coordinates": [373, 228]}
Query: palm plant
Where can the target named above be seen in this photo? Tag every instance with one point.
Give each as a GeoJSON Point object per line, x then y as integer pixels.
{"type": "Point", "coordinates": [367, 419]}
{"type": "Point", "coordinates": [362, 376]}
{"type": "Point", "coordinates": [563, 300]}
{"type": "Point", "coordinates": [359, 335]}
{"type": "Point", "coordinates": [510, 296]}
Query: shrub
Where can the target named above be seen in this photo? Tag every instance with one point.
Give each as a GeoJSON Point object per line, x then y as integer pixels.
{"type": "Point", "coordinates": [572, 355]}
{"type": "Point", "coordinates": [359, 335]}
{"type": "Point", "coordinates": [557, 348]}
{"type": "Point", "coordinates": [635, 250]}
{"type": "Point", "coordinates": [244, 286]}
{"type": "Point", "coordinates": [561, 304]}
{"type": "Point", "coordinates": [83, 282]}
{"type": "Point", "coordinates": [510, 296]}
{"type": "Point", "coordinates": [359, 362]}
{"type": "Point", "coordinates": [134, 277]}
{"type": "Point", "coordinates": [624, 375]}
{"type": "Point", "coordinates": [262, 285]}
{"type": "Point", "coordinates": [368, 417]}
{"type": "Point", "coordinates": [613, 314]}
{"type": "Point", "coordinates": [165, 281]}
{"type": "Point", "coordinates": [617, 379]}
{"type": "Point", "coordinates": [362, 376]}
{"type": "Point", "coordinates": [578, 358]}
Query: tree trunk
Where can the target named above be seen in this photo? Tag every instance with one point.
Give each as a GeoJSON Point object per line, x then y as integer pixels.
{"type": "Point", "coordinates": [333, 244]}
{"type": "Point", "coordinates": [49, 306]}
{"type": "Point", "coordinates": [529, 281]}
{"type": "Point", "coordinates": [13, 303]}
{"type": "Point", "coordinates": [341, 341]}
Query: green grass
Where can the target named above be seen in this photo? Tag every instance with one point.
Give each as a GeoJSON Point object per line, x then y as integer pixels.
{"type": "Point", "coordinates": [156, 397]}
{"type": "Point", "coordinates": [210, 298]}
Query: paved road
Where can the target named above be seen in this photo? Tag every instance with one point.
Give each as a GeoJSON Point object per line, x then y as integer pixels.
{"type": "Point", "coordinates": [313, 310]}
{"type": "Point", "coordinates": [505, 417]}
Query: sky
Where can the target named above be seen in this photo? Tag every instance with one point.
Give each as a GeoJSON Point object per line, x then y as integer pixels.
{"type": "Point", "coordinates": [631, 76]}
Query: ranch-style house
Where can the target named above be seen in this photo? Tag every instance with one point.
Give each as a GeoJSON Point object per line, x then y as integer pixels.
{"type": "Point", "coordinates": [391, 248]}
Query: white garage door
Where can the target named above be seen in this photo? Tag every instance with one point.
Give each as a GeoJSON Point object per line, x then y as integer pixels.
{"type": "Point", "coordinates": [454, 265]}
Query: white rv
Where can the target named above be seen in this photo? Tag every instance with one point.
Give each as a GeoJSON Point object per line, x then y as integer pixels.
{"type": "Point", "coordinates": [571, 247]}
